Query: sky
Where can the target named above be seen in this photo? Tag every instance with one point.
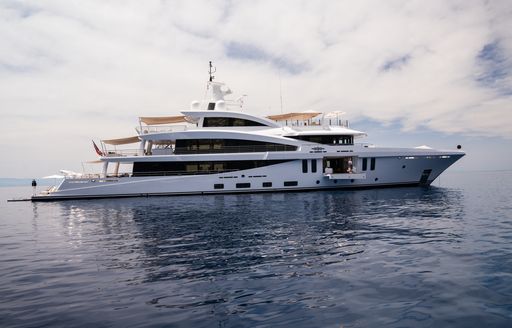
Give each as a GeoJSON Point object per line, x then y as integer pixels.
{"type": "Point", "coordinates": [409, 73]}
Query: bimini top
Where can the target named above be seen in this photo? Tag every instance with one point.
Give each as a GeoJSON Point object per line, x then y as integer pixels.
{"type": "Point", "coordinates": [154, 120]}
{"type": "Point", "coordinates": [301, 116]}
{"type": "Point", "coordinates": [121, 141]}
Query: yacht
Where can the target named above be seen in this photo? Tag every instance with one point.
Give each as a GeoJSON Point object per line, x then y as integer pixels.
{"type": "Point", "coordinates": [216, 147]}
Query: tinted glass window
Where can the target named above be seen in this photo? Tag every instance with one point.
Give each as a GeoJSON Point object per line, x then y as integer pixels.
{"type": "Point", "coordinates": [206, 146]}
{"type": "Point", "coordinates": [313, 165]}
{"type": "Point", "coordinates": [197, 167]}
{"type": "Point", "coordinates": [228, 121]}
{"type": "Point", "coordinates": [304, 166]}
{"type": "Point", "coordinates": [267, 184]}
{"type": "Point", "coordinates": [372, 164]}
{"type": "Point", "coordinates": [365, 164]}
{"type": "Point", "coordinates": [290, 183]}
{"type": "Point", "coordinates": [243, 185]}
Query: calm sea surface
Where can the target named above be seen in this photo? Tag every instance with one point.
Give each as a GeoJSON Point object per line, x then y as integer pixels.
{"type": "Point", "coordinates": [405, 257]}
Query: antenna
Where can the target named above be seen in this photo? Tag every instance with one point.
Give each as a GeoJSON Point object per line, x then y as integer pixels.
{"type": "Point", "coordinates": [280, 91]}
{"type": "Point", "coordinates": [211, 71]}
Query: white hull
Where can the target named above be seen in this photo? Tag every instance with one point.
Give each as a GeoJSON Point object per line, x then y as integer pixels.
{"type": "Point", "coordinates": [389, 171]}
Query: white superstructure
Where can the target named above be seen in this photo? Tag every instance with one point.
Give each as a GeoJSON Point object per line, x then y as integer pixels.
{"type": "Point", "coordinates": [216, 148]}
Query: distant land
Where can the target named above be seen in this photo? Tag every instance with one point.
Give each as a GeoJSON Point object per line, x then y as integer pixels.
{"type": "Point", "coordinates": [15, 182]}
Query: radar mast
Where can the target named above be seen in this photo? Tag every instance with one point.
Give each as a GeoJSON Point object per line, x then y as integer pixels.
{"type": "Point", "coordinates": [211, 71]}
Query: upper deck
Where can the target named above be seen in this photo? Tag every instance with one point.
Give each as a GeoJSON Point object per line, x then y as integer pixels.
{"type": "Point", "coordinates": [222, 123]}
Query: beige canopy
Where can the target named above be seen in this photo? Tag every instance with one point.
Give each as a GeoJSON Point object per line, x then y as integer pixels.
{"type": "Point", "coordinates": [304, 116]}
{"type": "Point", "coordinates": [162, 119]}
{"type": "Point", "coordinates": [121, 141]}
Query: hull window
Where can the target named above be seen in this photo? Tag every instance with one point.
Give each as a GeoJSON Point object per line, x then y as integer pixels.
{"type": "Point", "coordinates": [290, 183]}
{"type": "Point", "coordinates": [365, 164]}
{"type": "Point", "coordinates": [243, 185]}
{"type": "Point", "coordinates": [267, 184]}
{"type": "Point", "coordinates": [304, 166]}
{"type": "Point", "coordinates": [313, 165]}
{"type": "Point", "coordinates": [197, 167]}
{"type": "Point", "coordinates": [372, 164]}
{"type": "Point", "coordinates": [218, 186]}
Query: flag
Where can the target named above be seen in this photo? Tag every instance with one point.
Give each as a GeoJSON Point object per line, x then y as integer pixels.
{"type": "Point", "coordinates": [98, 151]}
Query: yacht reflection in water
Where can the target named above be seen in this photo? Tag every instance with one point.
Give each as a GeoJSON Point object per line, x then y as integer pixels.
{"type": "Point", "coordinates": [259, 235]}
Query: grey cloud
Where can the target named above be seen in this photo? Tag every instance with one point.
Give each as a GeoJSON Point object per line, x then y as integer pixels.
{"type": "Point", "coordinates": [250, 52]}
{"type": "Point", "coordinates": [396, 64]}
{"type": "Point", "coordinates": [495, 68]}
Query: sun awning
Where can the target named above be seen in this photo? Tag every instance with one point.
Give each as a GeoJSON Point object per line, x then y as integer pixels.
{"type": "Point", "coordinates": [334, 114]}
{"type": "Point", "coordinates": [162, 119]}
{"type": "Point", "coordinates": [301, 116]}
{"type": "Point", "coordinates": [121, 141]}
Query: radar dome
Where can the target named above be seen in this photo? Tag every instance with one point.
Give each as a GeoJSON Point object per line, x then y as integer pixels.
{"type": "Point", "coordinates": [220, 105]}
{"type": "Point", "coordinates": [195, 105]}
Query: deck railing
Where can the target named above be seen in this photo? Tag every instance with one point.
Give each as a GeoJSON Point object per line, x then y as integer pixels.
{"type": "Point", "coordinates": [97, 176]}
{"type": "Point", "coordinates": [145, 129]}
{"type": "Point", "coordinates": [123, 152]}
{"type": "Point", "coordinates": [173, 173]}
{"type": "Point", "coordinates": [235, 149]}
{"type": "Point", "coordinates": [315, 124]}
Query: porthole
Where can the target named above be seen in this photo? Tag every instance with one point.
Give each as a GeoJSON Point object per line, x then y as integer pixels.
{"type": "Point", "coordinates": [403, 166]}
{"type": "Point", "coordinates": [317, 181]}
{"type": "Point", "coordinates": [335, 181]}
{"type": "Point", "coordinates": [352, 180]}
{"type": "Point", "coordinates": [376, 179]}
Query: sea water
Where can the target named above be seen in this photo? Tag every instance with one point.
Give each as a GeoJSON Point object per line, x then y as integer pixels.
{"type": "Point", "coordinates": [396, 257]}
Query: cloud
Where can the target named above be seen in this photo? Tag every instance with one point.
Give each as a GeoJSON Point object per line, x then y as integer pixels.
{"type": "Point", "coordinates": [495, 68]}
{"type": "Point", "coordinates": [443, 65]}
{"type": "Point", "coordinates": [247, 52]}
{"type": "Point", "coordinates": [397, 63]}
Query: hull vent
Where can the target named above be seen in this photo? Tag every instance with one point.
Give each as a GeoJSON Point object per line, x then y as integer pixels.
{"type": "Point", "coordinates": [424, 177]}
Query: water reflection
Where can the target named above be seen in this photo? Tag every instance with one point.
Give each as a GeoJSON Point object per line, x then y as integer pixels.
{"type": "Point", "coordinates": [260, 235]}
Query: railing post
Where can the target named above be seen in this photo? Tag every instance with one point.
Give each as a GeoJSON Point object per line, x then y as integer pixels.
{"type": "Point", "coordinates": [105, 169]}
